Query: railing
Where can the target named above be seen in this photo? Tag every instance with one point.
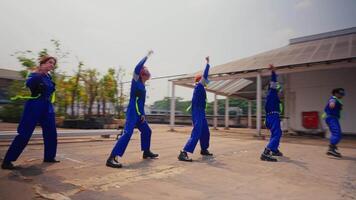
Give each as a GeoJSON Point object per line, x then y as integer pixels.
{"type": "Point", "coordinates": [234, 121]}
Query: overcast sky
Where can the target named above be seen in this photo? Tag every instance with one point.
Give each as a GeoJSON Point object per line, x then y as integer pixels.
{"type": "Point", "coordinates": [113, 33]}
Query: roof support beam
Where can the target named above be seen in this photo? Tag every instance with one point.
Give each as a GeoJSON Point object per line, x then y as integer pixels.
{"type": "Point", "coordinates": [215, 112]}
{"type": "Point", "coordinates": [212, 91]}
{"type": "Point", "coordinates": [173, 107]}
{"type": "Point", "coordinates": [227, 113]}
{"type": "Point", "coordinates": [249, 118]}
{"type": "Point", "coordinates": [281, 70]}
{"type": "Point", "coordinates": [259, 105]}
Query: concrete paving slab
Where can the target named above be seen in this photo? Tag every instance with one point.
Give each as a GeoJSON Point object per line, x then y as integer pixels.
{"type": "Point", "coordinates": [234, 172]}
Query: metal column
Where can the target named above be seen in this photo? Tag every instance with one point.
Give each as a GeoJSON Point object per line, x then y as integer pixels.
{"type": "Point", "coordinates": [173, 108]}
{"type": "Point", "coordinates": [227, 113]}
{"type": "Point", "coordinates": [249, 117]}
{"type": "Point", "coordinates": [259, 105]}
{"type": "Point", "coordinates": [215, 112]}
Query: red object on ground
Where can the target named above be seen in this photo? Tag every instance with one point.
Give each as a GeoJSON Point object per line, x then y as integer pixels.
{"type": "Point", "coordinates": [310, 119]}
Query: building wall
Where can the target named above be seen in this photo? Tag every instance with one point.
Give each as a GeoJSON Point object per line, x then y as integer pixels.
{"type": "Point", "coordinates": [310, 91]}
{"type": "Point", "coordinates": [4, 86]}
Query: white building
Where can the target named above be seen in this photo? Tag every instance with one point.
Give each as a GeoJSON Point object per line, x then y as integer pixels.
{"type": "Point", "coordinates": [309, 68]}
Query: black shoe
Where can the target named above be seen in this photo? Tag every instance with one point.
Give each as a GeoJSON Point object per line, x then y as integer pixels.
{"type": "Point", "coordinates": [267, 156]}
{"type": "Point", "coordinates": [7, 165]}
{"type": "Point", "coordinates": [205, 153]}
{"type": "Point", "coordinates": [277, 153]}
{"type": "Point", "coordinates": [149, 154]}
{"type": "Point", "coordinates": [183, 156]}
{"type": "Point", "coordinates": [112, 162]}
{"type": "Point", "coordinates": [333, 151]}
{"type": "Point", "coordinates": [51, 161]}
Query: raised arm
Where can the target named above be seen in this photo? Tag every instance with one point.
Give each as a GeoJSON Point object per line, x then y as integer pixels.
{"type": "Point", "coordinates": [204, 79]}
{"type": "Point", "coordinates": [140, 65]}
{"type": "Point", "coordinates": [273, 82]}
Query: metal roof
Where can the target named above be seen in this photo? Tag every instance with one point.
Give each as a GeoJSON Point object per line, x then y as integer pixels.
{"type": "Point", "coordinates": [330, 47]}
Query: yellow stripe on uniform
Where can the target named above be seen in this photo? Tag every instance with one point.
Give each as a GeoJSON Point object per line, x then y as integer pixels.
{"type": "Point", "coordinates": [137, 110]}
{"type": "Point", "coordinates": [20, 97]}
{"type": "Point", "coordinates": [53, 97]}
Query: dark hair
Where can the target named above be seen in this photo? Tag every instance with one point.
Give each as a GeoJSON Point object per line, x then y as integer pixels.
{"type": "Point", "coordinates": [44, 59]}
{"type": "Point", "coordinates": [338, 90]}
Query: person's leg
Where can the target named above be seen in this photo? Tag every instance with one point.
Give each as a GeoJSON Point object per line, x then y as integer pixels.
{"type": "Point", "coordinates": [195, 135]}
{"type": "Point", "coordinates": [121, 144]}
{"type": "Point", "coordinates": [193, 140]}
{"type": "Point", "coordinates": [267, 153]}
{"type": "Point", "coordinates": [335, 130]}
{"type": "Point", "coordinates": [146, 140]}
{"type": "Point", "coordinates": [25, 129]}
{"type": "Point", "coordinates": [335, 138]}
{"type": "Point", "coordinates": [49, 132]}
{"type": "Point", "coordinates": [276, 133]}
{"type": "Point", "coordinates": [205, 139]}
{"type": "Point", "coordinates": [145, 135]}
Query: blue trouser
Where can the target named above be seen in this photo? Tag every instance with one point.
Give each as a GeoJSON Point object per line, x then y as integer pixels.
{"type": "Point", "coordinates": [131, 123]}
{"type": "Point", "coordinates": [335, 129]}
{"type": "Point", "coordinates": [200, 132]}
{"type": "Point", "coordinates": [35, 111]}
{"type": "Point", "coordinates": [273, 123]}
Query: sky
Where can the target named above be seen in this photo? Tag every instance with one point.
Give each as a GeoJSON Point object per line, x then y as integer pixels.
{"type": "Point", "coordinates": [118, 33]}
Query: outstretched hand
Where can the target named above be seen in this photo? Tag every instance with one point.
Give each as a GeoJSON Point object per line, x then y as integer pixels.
{"type": "Point", "coordinates": [150, 52]}
{"type": "Point", "coordinates": [143, 118]}
{"type": "Point", "coordinates": [271, 67]}
{"type": "Point", "coordinates": [207, 59]}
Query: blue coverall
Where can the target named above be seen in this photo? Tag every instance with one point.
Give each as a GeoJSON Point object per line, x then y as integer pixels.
{"type": "Point", "coordinates": [272, 108]}
{"type": "Point", "coordinates": [332, 120]}
{"type": "Point", "coordinates": [134, 112]}
{"type": "Point", "coordinates": [36, 110]}
{"type": "Point", "coordinates": [200, 130]}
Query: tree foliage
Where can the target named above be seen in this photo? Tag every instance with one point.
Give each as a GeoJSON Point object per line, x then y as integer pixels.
{"type": "Point", "coordinates": [77, 94]}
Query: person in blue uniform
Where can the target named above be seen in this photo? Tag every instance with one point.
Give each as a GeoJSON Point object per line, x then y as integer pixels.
{"type": "Point", "coordinates": [200, 130]}
{"type": "Point", "coordinates": [135, 117]}
{"type": "Point", "coordinates": [273, 122]}
{"type": "Point", "coordinates": [332, 115]}
{"type": "Point", "coordinates": [38, 109]}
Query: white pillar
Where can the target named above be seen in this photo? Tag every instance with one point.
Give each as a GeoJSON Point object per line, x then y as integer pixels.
{"type": "Point", "coordinates": [173, 108]}
{"type": "Point", "coordinates": [286, 102]}
{"type": "Point", "coordinates": [249, 117]}
{"type": "Point", "coordinates": [259, 104]}
{"type": "Point", "coordinates": [215, 112]}
{"type": "Point", "coordinates": [227, 113]}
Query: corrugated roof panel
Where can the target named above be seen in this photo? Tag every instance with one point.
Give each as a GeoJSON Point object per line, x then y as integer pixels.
{"type": "Point", "coordinates": [335, 46]}
{"type": "Point", "coordinates": [222, 84]}
{"type": "Point", "coordinates": [214, 84]}
{"type": "Point", "coordinates": [306, 53]}
{"type": "Point", "coordinates": [324, 50]}
{"type": "Point", "coordinates": [242, 83]}
{"type": "Point", "coordinates": [353, 46]}
{"type": "Point", "coordinates": [341, 47]}
{"type": "Point", "coordinates": [299, 53]}
{"type": "Point", "coordinates": [231, 86]}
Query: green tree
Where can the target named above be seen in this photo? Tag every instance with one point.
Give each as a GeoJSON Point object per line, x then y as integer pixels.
{"type": "Point", "coordinates": [75, 89]}
{"type": "Point", "coordinates": [165, 104]}
{"type": "Point", "coordinates": [108, 89]}
{"type": "Point", "coordinates": [121, 96]}
{"type": "Point", "coordinates": [90, 78]}
{"type": "Point", "coordinates": [63, 95]}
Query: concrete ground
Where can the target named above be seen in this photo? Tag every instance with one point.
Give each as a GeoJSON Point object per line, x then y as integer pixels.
{"type": "Point", "coordinates": [235, 171]}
